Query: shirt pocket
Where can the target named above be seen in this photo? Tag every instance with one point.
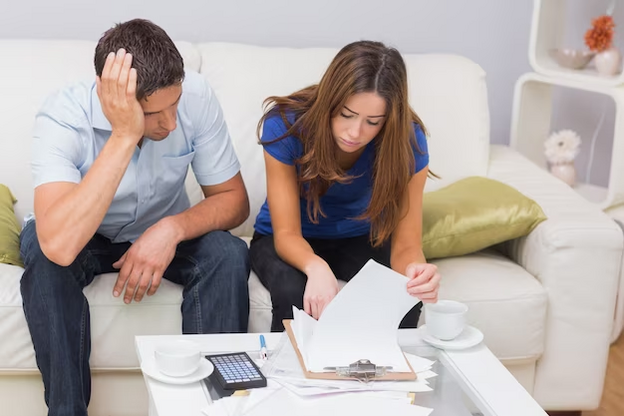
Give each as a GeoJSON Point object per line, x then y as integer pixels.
{"type": "Point", "coordinates": [174, 171]}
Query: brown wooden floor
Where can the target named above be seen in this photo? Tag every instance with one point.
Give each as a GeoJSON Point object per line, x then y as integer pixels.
{"type": "Point", "coordinates": [612, 403]}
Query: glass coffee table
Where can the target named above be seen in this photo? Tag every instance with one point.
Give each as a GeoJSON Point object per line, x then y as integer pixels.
{"type": "Point", "coordinates": [470, 382]}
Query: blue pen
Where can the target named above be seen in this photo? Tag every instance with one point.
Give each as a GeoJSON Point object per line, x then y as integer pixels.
{"type": "Point", "coordinates": [263, 349]}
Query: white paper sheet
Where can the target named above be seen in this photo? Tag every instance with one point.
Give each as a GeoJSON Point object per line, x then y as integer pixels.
{"type": "Point", "coordinates": [352, 403]}
{"type": "Point", "coordinates": [240, 405]}
{"type": "Point", "coordinates": [284, 402]}
{"type": "Point", "coordinates": [361, 322]}
{"type": "Point", "coordinates": [303, 326]}
{"type": "Point", "coordinates": [305, 388]}
{"type": "Point", "coordinates": [419, 364]}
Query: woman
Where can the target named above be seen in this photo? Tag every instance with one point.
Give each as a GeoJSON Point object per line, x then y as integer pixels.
{"type": "Point", "coordinates": [346, 164]}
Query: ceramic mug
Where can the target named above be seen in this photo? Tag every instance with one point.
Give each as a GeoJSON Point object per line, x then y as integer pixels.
{"type": "Point", "coordinates": [445, 319]}
{"type": "Point", "coordinates": [177, 358]}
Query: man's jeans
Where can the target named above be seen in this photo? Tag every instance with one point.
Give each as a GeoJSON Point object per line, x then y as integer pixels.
{"type": "Point", "coordinates": [213, 269]}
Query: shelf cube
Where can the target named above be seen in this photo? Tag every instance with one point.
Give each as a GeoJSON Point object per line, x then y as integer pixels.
{"type": "Point", "coordinates": [531, 125]}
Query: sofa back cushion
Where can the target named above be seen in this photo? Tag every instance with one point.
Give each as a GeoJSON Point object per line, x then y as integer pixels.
{"type": "Point", "coordinates": [30, 70]}
{"type": "Point", "coordinates": [448, 92]}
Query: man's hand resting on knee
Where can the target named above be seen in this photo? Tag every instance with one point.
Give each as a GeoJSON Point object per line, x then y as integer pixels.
{"type": "Point", "coordinates": [145, 262]}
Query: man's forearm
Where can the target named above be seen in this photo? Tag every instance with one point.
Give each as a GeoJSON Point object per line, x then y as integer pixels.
{"type": "Point", "coordinates": [67, 225]}
{"type": "Point", "coordinates": [222, 211]}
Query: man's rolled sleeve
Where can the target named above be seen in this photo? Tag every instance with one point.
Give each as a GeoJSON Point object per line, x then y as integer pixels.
{"type": "Point", "coordinates": [215, 160]}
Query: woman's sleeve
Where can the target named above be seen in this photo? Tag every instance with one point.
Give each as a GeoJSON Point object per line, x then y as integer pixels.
{"type": "Point", "coordinates": [421, 151]}
{"type": "Point", "coordinates": [285, 150]}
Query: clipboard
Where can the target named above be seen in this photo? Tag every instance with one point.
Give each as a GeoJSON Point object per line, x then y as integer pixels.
{"type": "Point", "coordinates": [390, 376]}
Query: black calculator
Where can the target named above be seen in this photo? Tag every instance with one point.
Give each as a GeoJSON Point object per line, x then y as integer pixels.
{"type": "Point", "coordinates": [236, 371]}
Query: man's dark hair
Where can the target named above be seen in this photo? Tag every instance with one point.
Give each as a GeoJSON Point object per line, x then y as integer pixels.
{"type": "Point", "coordinates": [157, 61]}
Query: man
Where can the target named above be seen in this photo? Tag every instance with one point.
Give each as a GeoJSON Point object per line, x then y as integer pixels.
{"type": "Point", "coordinates": [109, 163]}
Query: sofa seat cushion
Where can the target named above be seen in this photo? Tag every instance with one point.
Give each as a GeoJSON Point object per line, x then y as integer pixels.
{"type": "Point", "coordinates": [505, 302]}
{"type": "Point", "coordinates": [113, 323]}
{"type": "Point", "coordinates": [16, 351]}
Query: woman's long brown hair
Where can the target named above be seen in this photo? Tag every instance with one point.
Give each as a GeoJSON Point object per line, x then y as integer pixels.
{"type": "Point", "coordinates": [362, 66]}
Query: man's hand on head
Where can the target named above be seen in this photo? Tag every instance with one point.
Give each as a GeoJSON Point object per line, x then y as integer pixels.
{"type": "Point", "coordinates": [116, 89]}
{"type": "Point", "coordinates": [143, 265]}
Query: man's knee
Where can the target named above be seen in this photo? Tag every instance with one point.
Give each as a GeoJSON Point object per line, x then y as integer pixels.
{"type": "Point", "coordinates": [223, 248]}
{"type": "Point", "coordinates": [30, 249]}
{"type": "Point", "coordinates": [237, 250]}
{"type": "Point", "coordinates": [41, 271]}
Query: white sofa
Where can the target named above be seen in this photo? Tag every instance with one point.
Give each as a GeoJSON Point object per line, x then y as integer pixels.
{"type": "Point", "coordinates": [546, 305]}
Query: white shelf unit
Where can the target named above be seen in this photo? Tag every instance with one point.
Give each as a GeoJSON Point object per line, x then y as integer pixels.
{"type": "Point", "coordinates": [547, 32]}
{"type": "Point", "coordinates": [532, 107]}
{"type": "Point", "coordinates": [531, 125]}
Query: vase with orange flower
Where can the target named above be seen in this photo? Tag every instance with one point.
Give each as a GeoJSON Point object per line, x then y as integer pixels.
{"type": "Point", "coordinates": [599, 38]}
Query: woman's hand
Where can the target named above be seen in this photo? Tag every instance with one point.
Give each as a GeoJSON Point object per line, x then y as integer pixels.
{"type": "Point", "coordinates": [424, 281]}
{"type": "Point", "coordinates": [320, 289]}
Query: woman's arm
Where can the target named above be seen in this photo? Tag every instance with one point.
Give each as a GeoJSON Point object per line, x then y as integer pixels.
{"type": "Point", "coordinates": [283, 200]}
{"type": "Point", "coordinates": [407, 255]}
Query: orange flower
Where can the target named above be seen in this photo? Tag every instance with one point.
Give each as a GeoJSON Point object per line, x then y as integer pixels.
{"type": "Point", "coordinates": [600, 36]}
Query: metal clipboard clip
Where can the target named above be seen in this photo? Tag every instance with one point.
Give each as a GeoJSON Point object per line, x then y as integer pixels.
{"type": "Point", "coordinates": [363, 370]}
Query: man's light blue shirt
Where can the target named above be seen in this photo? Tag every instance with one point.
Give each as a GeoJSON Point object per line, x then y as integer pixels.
{"type": "Point", "coordinates": [71, 130]}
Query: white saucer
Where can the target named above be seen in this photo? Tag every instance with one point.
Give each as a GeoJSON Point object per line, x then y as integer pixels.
{"type": "Point", "coordinates": [204, 370]}
{"type": "Point", "coordinates": [470, 337]}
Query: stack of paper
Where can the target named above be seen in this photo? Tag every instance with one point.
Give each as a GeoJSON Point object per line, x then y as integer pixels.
{"type": "Point", "coordinates": [283, 403]}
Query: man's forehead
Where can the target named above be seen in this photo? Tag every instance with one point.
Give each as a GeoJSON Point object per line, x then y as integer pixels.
{"type": "Point", "coordinates": [161, 99]}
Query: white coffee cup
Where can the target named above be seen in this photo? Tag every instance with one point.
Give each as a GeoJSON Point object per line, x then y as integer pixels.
{"type": "Point", "coordinates": [177, 358]}
{"type": "Point", "coordinates": [445, 319]}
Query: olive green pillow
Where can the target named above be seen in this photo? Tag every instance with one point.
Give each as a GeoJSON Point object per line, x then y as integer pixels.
{"type": "Point", "coordinates": [9, 229]}
{"type": "Point", "coordinates": [475, 213]}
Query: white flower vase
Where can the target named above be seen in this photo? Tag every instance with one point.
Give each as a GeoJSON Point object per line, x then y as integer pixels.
{"type": "Point", "coordinates": [608, 62]}
{"type": "Point", "coordinates": [564, 171]}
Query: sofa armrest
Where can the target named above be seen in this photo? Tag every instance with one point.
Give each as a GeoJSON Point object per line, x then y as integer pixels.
{"type": "Point", "coordinates": [576, 255]}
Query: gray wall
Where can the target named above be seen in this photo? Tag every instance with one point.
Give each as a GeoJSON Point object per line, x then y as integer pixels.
{"type": "Point", "coordinates": [493, 33]}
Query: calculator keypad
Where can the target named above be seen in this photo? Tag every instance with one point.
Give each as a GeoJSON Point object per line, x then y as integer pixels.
{"type": "Point", "coordinates": [236, 368]}
{"type": "Point", "coordinates": [236, 371]}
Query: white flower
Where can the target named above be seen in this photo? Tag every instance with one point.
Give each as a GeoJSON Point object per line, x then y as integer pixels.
{"type": "Point", "coordinates": [562, 147]}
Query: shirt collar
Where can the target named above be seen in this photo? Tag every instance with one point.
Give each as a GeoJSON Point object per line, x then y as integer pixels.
{"type": "Point", "coordinates": [98, 119]}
